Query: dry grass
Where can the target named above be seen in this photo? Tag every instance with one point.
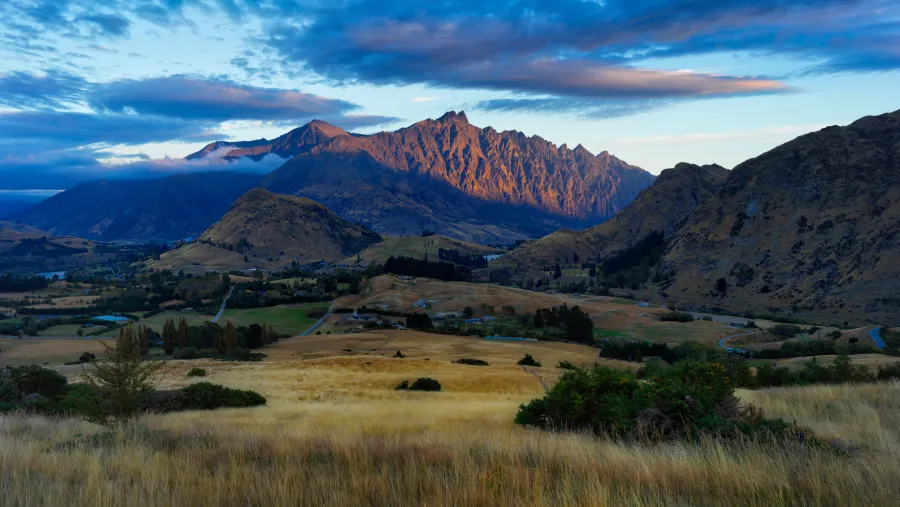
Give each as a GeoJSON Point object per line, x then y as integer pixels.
{"type": "Point", "coordinates": [335, 432]}
{"type": "Point", "coordinates": [617, 317]}
{"type": "Point", "coordinates": [15, 351]}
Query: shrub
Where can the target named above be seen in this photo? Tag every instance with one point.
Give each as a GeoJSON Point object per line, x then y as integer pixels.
{"type": "Point", "coordinates": [399, 355]}
{"type": "Point", "coordinates": [785, 331]}
{"type": "Point", "coordinates": [403, 385]}
{"type": "Point", "coordinates": [676, 317]}
{"type": "Point", "coordinates": [34, 379]}
{"type": "Point", "coordinates": [87, 357]}
{"type": "Point", "coordinates": [687, 400]}
{"type": "Point", "coordinates": [527, 360]}
{"type": "Point", "coordinates": [207, 396]}
{"type": "Point", "coordinates": [888, 372]}
{"type": "Point", "coordinates": [197, 372]}
{"type": "Point", "coordinates": [471, 362]}
{"type": "Point", "coordinates": [565, 365]}
{"type": "Point", "coordinates": [187, 353]}
{"type": "Point", "coordinates": [425, 384]}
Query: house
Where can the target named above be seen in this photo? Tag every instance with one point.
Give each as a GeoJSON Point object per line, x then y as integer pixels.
{"type": "Point", "coordinates": [473, 321]}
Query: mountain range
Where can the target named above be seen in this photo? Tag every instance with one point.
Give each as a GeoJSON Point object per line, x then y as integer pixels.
{"type": "Point", "coordinates": [445, 176]}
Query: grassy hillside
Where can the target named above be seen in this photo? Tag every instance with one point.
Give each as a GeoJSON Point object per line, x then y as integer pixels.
{"type": "Point", "coordinates": [417, 247]}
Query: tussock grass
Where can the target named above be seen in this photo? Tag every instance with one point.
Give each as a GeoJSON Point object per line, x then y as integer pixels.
{"type": "Point", "coordinates": [336, 433]}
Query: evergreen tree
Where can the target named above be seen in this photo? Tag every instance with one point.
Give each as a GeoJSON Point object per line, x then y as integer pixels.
{"type": "Point", "coordinates": [230, 338]}
{"type": "Point", "coordinates": [557, 271]}
{"type": "Point", "coordinates": [182, 333]}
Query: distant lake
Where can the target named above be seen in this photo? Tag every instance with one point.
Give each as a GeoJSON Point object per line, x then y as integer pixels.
{"type": "Point", "coordinates": [111, 318]}
{"type": "Point", "coordinates": [492, 257]}
{"type": "Point", "coordinates": [51, 274]}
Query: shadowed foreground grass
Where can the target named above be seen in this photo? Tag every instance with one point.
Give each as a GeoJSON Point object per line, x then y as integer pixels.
{"type": "Point", "coordinates": [369, 445]}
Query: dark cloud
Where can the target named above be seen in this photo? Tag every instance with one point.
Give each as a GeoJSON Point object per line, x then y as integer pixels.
{"type": "Point", "coordinates": [67, 129]}
{"type": "Point", "coordinates": [52, 89]}
{"type": "Point", "coordinates": [574, 48]}
{"type": "Point", "coordinates": [212, 99]}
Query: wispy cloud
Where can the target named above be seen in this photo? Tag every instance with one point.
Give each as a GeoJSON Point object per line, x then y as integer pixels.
{"type": "Point", "coordinates": [769, 133]}
{"type": "Point", "coordinates": [418, 100]}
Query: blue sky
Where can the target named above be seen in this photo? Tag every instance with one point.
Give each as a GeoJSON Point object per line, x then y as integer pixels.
{"type": "Point", "coordinates": [114, 89]}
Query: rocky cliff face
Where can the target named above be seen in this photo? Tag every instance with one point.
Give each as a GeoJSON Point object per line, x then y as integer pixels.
{"type": "Point", "coordinates": [663, 207]}
{"type": "Point", "coordinates": [811, 227]}
{"type": "Point", "coordinates": [452, 177]}
{"type": "Point", "coordinates": [299, 140]}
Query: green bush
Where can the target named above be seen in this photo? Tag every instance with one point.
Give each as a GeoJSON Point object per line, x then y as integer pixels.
{"type": "Point", "coordinates": [527, 360]}
{"type": "Point", "coordinates": [471, 362]}
{"type": "Point", "coordinates": [677, 317]}
{"type": "Point", "coordinates": [891, 371]}
{"type": "Point", "coordinates": [425, 384]}
{"type": "Point", "coordinates": [686, 400]}
{"type": "Point", "coordinates": [565, 365]}
{"type": "Point", "coordinates": [207, 396]}
{"type": "Point", "coordinates": [34, 379]}
{"type": "Point", "coordinates": [187, 353]}
{"type": "Point", "coordinates": [197, 372]}
{"type": "Point", "coordinates": [402, 385]}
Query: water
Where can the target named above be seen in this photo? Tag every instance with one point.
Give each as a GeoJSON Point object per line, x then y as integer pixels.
{"type": "Point", "coordinates": [51, 274]}
{"type": "Point", "coordinates": [111, 318]}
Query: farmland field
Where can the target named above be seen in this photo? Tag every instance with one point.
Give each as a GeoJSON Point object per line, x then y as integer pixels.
{"type": "Point", "coordinates": [290, 320]}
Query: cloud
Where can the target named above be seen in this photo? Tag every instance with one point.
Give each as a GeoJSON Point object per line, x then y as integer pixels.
{"type": "Point", "coordinates": [358, 121]}
{"type": "Point", "coordinates": [110, 25]}
{"type": "Point", "coordinates": [770, 133]}
{"type": "Point", "coordinates": [583, 108]}
{"type": "Point", "coordinates": [417, 100]}
{"type": "Point", "coordinates": [66, 129]}
{"type": "Point", "coordinates": [54, 88]}
{"type": "Point", "coordinates": [194, 98]}
{"type": "Point", "coordinates": [583, 49]}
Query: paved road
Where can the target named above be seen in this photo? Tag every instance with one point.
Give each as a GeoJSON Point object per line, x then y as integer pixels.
{"type": "Point", "coordinates": [319, 322]}
{"type": "Point", "coordinates": [875, 334]}
{"type": "Point", "coordinates": [723, 341]}
{"type": "Point", "coordinates": [222, 309]}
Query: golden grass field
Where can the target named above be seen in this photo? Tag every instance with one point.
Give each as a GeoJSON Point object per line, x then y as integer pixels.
{"type": "Point", "coordinates": [53, 351]}
{"type": "Point", "coordinates": [335, 432]}
{"type": "Point", "coordinates": [417, 247]}
{"type": "Point", "coordinates": [613, 317]}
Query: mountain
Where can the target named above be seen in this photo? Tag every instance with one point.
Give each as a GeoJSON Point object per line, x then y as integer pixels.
{"type": "Point", "coordinates": [445, 176]}
{"type": "Point", "coordinates": [418, 247]}
{"type": "Point", "coordinates": [25, 249]}
{"type": "Point", "coordinates": [451, 177]}
{"type": "Point", "coordinates": [145, 210]}
{"type": "Point", "coordinates": [663, 208]}
{"type": "Point", "coordinates": [12, 206]}
{"type": "Point", "coordinates": [811, 228]}
{"type": "Point", "coordinates": [270, 230]}
{"type": "Point", "coordinates": [299, 140]}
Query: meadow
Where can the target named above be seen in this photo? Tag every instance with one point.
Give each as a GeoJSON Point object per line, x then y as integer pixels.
{"type": "Point", "coordinates": [335, 432]}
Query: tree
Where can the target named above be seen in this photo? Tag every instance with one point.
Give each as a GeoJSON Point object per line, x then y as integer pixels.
{"type": "Point", "coordinates": [144, 340]}
{"type": "Point", "coordinates": [168, 336]}
{"type": "Point", "coordinates": [557, 272]}
{"type": "Point", "coordinates": [121, 382]}
{"type": "Point", "coordinates": [468, 311]}
{"type": "Point", "coordinates": [230, 338]}
{"type": "Point", "coordinates": [182, 333]}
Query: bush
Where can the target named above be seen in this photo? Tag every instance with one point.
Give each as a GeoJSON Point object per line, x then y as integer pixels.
{"type": "Point", "coordinates": [187, 353]}
{"type": "Point", "coordinates": [399, 355]}
{"type": "Point", "coordinates": [197, 372]}
{"type": "Point", "coordinates": [566, 365]}
{"type": "Point", "coordinates": [527, 360]}
{"type": "Point", "coordinates": [425, 384]}
{"type": "Point", "coordinates": [34, 379]}
{"type": "Point", "coordinates": [785, 331]}
{"type": "Point", "coordinates": [889, 372]}
{"type": "Point", "coordinates": [687, 400]}
{"type": "Point", "coordinates": [206, 396]}
{"type": "Point", "coordinates": [471, 362]}
{"type": "Point", "coordinates": [676, 317]}
{"type": "Point", "coordinates": [402, 385]}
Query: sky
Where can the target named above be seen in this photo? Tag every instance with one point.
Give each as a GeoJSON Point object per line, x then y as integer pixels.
{"type": "Point", "coordinates": [116, 89]}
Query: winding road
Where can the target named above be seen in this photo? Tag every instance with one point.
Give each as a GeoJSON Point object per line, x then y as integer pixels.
{"type": "Point", "coordinates": [723, 341]}
{"type": "Point", "coordinates": [320, 321]}
{"type": "Point", "coordinates": [222, 308]}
